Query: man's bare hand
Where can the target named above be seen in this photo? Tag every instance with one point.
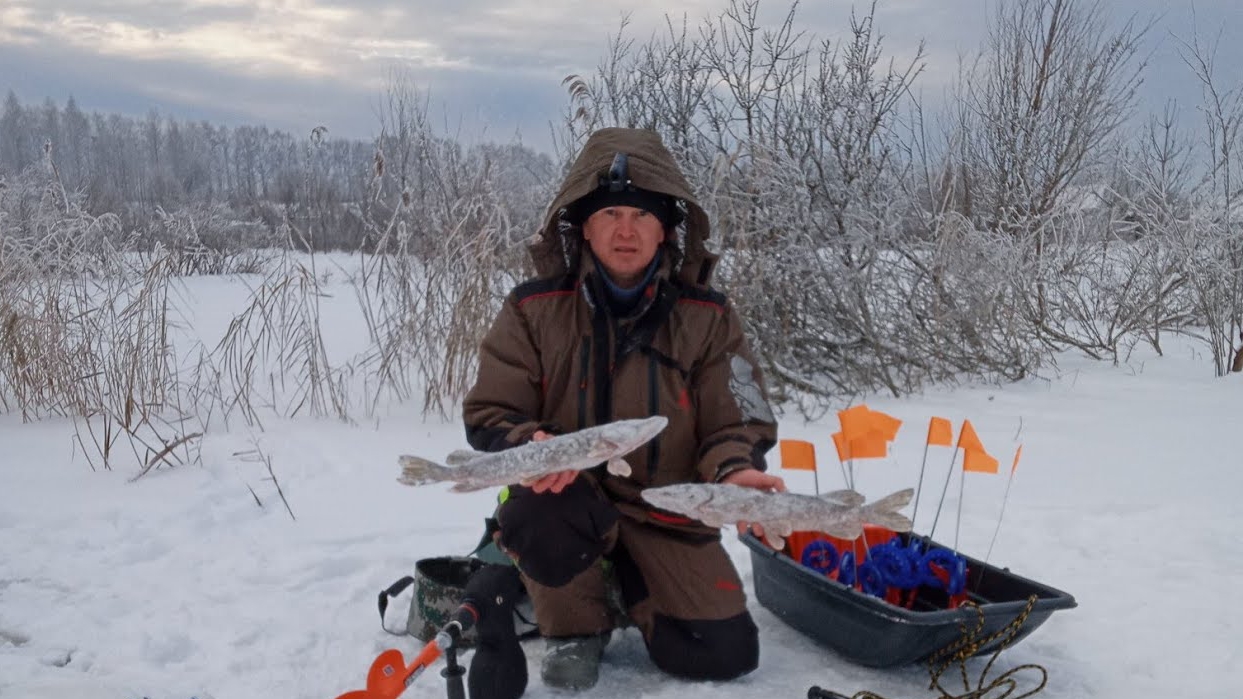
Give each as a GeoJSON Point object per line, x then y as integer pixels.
{"type": "Point", "coordinates": [751, 478]}
{"type": "Point", "coordinates": [553, 482]}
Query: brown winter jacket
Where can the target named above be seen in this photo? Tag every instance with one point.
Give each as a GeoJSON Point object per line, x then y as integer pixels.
{"type": "Point", "coordinates": [556, 359]}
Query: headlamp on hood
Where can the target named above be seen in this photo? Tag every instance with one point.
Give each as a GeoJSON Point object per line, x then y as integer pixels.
{"type": "Point", "coordinates": [615, 188]}
{"type": "Point", "coordinates": [618, 177]}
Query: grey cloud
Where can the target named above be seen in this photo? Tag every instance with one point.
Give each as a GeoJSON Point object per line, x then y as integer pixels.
{"type": "Point", "coordinates": [474, 101]}
{"type": "Point", "coordinates": [498, 63]}
{"type": "Point", "coordinates": [189, 91]}
{"type": "Point", "coordinates": [166, 15]}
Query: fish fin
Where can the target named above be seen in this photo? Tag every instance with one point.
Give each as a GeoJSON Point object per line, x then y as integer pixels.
{"type": "Point", "coordinates": [619, 467]}
{"type": "Point", "coordinates": [849, 498]}
{"type": "Point", "coordinates": [848, 531]}
{"type": "Point", "coordinates": [785, 530]}
{"type": "Point", "coordinates": [420, 471]}
{"type": "Point", "coordinates": [466, 488]}
{"type": "Point", "coordinates": [603, 447]}
{"type": "Point", "coordinates": [461, 456]}
{"type": "Point", "coordinates": [884, 512]}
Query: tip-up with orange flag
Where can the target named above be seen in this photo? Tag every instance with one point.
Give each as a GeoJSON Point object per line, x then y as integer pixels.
{"type": "Point", "coordinates": [974, 457]}
{"type": "Point", "coordinates": [940, 432]}
{"type": "Point", "coordinates": [865, 433]}
{"type": "Point", "coordinates": [869, 447]}
{"type": "Point", "coordinates": [798, 455]}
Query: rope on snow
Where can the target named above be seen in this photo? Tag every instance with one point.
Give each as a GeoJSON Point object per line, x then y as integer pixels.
{"type": "Point", "coordinates": [957, 653]}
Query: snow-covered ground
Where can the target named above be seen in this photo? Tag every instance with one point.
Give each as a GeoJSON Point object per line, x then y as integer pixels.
{"type": "Point", "coordinates": [179, 585]}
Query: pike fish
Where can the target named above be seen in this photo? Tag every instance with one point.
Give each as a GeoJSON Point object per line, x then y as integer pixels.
{"type": "Point", "coordinates": [473, 470]}
{"type": "Point", "coordinates": [840, 513]}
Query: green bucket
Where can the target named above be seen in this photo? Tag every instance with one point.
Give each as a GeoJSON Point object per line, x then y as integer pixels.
{"type": "Point", "coordinates": [439, 584]}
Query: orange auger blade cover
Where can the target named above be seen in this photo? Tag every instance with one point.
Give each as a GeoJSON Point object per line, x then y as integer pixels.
{"type": "Point", "coordinates": [389, 675]}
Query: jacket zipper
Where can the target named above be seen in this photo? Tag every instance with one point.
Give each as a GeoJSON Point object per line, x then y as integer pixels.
{"type": "Point", "coordinates": [604, 368]}
{"type": "Point", "coordinates": [584, 356]}
{"type": "Point", "coordinates": [653, 408]}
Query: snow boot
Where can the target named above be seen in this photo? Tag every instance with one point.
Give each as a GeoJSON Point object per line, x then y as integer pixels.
{"type": "Point", "coordinates": [573, 662]}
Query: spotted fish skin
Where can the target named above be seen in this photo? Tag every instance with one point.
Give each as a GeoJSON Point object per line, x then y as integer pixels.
{"type": "Point", "coordinates": [840, 513]}
{"type": "Point", "coordinates": [574, 451]}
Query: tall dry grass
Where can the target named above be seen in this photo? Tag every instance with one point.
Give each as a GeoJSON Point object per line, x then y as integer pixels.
{"type": "Point", "coordinates": [91, 316]}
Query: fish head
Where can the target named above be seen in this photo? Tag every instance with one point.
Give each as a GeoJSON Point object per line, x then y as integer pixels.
{"type": "Point", "coordinates": [624, 436]}
{"type": "Point", "coordinates": [684, 498]}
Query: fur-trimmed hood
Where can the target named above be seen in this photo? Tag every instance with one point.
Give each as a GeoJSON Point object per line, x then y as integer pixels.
{"type": "Point", "coordinates": [652, 167]}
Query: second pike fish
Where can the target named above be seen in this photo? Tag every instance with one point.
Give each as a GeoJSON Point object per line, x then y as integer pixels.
{"type": "Point", "coordinates": [840, 513]}
{"type": "Point", "coordinates": [472, 470]}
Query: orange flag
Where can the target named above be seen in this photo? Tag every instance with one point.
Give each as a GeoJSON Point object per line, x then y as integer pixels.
{"type": "Point", "coordinates": [856, 422]}
{"type": "Point", "coordinates": [1017, 453]}
{"type": "Point", "coordinates": [871, 447]}
{"type": "Point", "coordinates": [940, 432]}
{"type": "Point", "coordinates": [974, 457]}
{"type": "Point", "coordinates": [979, 462]}
{"type": "Point", "coordinates": [798, 455]}
{"type": "Point", "coordinates": [843, 449]}
{"type": "Point", "coordinates": [968, 440]}
{"type": "Point", "coordinates": [865, 433]}
{"type": "Point", "coordinates": [886, 426]}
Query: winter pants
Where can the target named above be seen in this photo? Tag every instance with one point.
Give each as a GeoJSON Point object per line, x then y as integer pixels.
{"type": "Point", "coordinates": [680, 589]}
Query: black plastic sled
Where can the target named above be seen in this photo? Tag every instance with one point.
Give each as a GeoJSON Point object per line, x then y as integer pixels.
{"type": "Point", "coordinates": [870, 631]}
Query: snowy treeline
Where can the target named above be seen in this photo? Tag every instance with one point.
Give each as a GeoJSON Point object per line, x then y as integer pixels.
{"type": "Point", "coordinates": [870, 244]}
{"type": "Point", "coordinates": [140, 169]}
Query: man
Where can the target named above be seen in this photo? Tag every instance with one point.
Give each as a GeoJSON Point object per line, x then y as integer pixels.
{"type": "Point", "coordinates": [621, 323]}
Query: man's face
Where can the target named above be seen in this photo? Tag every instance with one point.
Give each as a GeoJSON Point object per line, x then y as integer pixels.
{"type": "Point", "coordinates": [624, 239]}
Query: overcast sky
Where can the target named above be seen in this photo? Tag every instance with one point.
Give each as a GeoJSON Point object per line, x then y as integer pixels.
{"type": "Point", "coordinates": [495, 65]}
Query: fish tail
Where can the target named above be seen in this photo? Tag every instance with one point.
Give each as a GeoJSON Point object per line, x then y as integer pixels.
{"type": "Point", "coordinates": [884, 512]}
{"type": "Point", "coordinates": [418, 471]}
{"type": "Point", "coordinates": [893, 521]}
